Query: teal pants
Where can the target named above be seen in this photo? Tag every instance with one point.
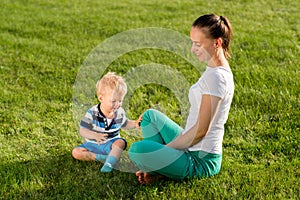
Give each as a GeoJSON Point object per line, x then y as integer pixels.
{"type": "Point", "coordinates": [152, 156]}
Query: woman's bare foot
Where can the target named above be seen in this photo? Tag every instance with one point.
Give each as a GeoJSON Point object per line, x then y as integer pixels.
{"type": "Point", "coordinates": [145, 178]}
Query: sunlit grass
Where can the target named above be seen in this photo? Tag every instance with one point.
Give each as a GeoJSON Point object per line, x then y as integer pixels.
{"type": "Point", "coordinates": [44, 43]}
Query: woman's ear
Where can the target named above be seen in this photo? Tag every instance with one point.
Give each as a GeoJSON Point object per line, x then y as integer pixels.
{"type": "Point", "coordinates": [218, 42]}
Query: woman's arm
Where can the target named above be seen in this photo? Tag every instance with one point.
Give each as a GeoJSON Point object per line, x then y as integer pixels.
{"type": "Point", "coordinates": [208, 108]}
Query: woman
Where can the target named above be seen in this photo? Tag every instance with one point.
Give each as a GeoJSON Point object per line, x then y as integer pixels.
{"type": "Point", "coordinates": [195, 151]}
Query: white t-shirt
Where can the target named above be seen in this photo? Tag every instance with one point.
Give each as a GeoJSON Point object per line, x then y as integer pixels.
{"type": "Point", "coordinates": [218, 82]}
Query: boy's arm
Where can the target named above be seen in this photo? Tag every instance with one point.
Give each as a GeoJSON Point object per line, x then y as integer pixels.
{"type": "Point", "coordinates": [131, 124]}
{"type": "Point", "coordinates": [86, 133]}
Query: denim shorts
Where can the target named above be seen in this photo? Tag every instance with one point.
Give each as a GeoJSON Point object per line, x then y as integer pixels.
{"type": "Point", "coordinates": [102, 148]}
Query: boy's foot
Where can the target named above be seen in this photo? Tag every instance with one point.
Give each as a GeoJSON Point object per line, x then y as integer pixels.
{"type": "Point", "coordinates": [107, 167]}
{"type": "Point", "coordinates": [145, 178]}
{"type": "Point", "coordinates": [109, 164]}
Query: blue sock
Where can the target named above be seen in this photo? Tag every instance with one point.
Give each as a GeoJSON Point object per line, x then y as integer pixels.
{"type": "Point", "coordinates": [101, 157]}
{"type": "Point", "coordinates": [109, 164]}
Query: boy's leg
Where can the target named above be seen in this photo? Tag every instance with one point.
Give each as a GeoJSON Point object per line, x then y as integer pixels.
{"type": "Point", "coordinates": [90, 152]}
{"type": "Point", "coordinates": [156, 158]}
{"type": "Point", "coordinates": [114, 155]}
{"type": "Point", "coordinates": [158, 127]}
{"type": "Point", "coordinates": [83, 154]}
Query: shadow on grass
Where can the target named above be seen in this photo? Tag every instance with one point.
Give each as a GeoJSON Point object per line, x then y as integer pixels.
{"type": "Point", "coordinates": [62, 177]}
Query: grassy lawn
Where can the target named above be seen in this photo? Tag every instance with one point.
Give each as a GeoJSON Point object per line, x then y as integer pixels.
{"type": "Point", "coordinates": [43, 45]}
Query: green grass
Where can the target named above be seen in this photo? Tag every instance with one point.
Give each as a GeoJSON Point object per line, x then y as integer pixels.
{"type": "Point", "coordinates": [44, 43]}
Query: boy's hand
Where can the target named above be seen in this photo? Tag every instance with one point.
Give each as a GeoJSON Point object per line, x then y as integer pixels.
{"type": "Point", "coordinates": [131, 124]}
{"type": "Point", "coordinates": [92, 135]}
{"type": "Point", "coordinates": [100, 138]}
{"type": "Point", "coordinates": [138, 121]}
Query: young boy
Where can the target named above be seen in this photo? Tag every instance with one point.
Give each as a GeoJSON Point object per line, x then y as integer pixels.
{"type": "Point", "coordinates": [102, 123]}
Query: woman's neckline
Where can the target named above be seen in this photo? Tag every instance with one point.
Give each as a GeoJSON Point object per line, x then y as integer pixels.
{"type": "Point", "coordinates": [218, 67]}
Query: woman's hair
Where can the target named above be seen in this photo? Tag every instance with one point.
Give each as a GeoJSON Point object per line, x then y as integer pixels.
{"type": "Point", "coordinates": [216, 27]}
{"type": "Point", "coordinates": [111, 83]}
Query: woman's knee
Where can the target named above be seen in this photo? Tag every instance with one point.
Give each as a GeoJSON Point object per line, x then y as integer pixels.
{"type": "Point", "coordinates": [146, 115]}
{"type": "Point", "coordinates": [151, 115]}
{"type": "Point", "coordinates": [136, 147]}
{"type": "Point", "coordinates": [145, 147]}
{"type": "Point", "coordinates": [151, 112]}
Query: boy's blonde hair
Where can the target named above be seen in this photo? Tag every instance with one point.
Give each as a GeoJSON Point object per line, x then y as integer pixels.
{"type": "Point", "coordinates": [111, 83]}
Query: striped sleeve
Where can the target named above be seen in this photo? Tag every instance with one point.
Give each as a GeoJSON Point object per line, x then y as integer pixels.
{"type": "Point", "coordinates": [87, 120]}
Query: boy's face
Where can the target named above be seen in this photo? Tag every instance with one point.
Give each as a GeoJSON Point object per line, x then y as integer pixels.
{"type": "Point", "coordinates": [111, 101]}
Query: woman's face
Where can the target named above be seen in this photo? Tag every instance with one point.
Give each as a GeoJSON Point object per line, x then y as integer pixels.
{"type": "Point", "coordinates": [202, 46]}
